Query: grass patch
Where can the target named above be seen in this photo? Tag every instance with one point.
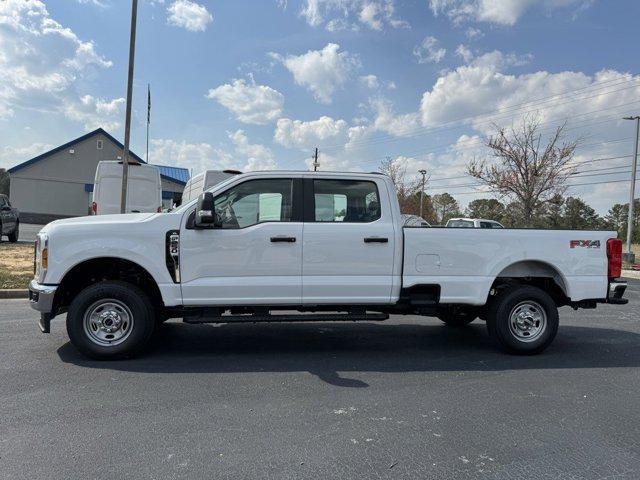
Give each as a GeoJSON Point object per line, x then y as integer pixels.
{"type": "Point", "coordinates": [16, 265]}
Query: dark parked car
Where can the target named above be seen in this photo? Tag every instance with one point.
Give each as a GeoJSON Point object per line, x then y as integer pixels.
{"type": "Point", "coordinates": [9, 220]}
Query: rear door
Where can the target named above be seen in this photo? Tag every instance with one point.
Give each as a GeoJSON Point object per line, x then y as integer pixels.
{"type": "Point", "coordinates": [144, 189]}
{"type": "Point", "coordinates": [349, 242]}
{"type": "Point", "coordinates": [255, 256]}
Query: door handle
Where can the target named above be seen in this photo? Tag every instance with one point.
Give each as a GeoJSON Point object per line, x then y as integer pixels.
{"type": "Point", "coordinates": [283, 239]}
{"type": "Point", "coordinates": [376, 240]}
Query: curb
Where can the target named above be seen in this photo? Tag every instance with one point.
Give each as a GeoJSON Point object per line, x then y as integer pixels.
{"type": "Point", "coordinates": [14, 293]}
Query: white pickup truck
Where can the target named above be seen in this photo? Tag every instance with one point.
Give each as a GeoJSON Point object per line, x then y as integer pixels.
{"type": "Point", "coordinates": [305, 246]}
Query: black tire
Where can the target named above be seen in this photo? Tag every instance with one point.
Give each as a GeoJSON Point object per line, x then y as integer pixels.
{"type": "Point", "coordinates": [457, 317]}
{"type": "Point", "coordinates": [538, 323]}
{"type": "Point", "coordinates": [13, 236]}
{"type": "Point", "coordinates": [124, 298]}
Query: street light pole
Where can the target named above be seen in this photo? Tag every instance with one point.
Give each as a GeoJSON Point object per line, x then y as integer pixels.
{"type": "Point", "coordinates": [127, 121]}
{"type": "Point", "coordinates": [424, 173]}
{"type": "Point", "coordinates": [632, 192]}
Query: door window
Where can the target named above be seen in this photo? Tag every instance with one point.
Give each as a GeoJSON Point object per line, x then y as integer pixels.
{"type": "Point", "coordinates": [346, 201]}
{"type": "Point", "coordinates": [255, 201]}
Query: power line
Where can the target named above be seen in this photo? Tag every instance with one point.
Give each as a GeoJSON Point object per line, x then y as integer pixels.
{"type": "Point", "coordinates": [499, 114]}
{"type": "Point", "coordinates": [473, 143]}
{"type": "Point", "coordinates": [480, 192]}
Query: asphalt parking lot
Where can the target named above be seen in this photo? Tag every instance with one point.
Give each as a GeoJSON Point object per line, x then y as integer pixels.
{"type": "Point", "coordinates": [408, 398]}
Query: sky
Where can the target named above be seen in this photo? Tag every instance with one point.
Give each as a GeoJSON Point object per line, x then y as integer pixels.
{"type": "Point", "coordinates": [258, 85]}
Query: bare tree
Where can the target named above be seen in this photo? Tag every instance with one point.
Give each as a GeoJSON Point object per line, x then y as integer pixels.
{"type": "Point", "coordinates": [526, 171]}
{"type": "Point", "coordinates": [408, 190]}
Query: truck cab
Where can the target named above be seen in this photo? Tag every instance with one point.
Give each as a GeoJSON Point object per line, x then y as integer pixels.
{"type": "Point", "coordinates": [310, 246]}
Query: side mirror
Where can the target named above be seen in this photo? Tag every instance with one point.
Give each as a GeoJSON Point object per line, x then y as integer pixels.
{"type": "Point", "coordinates": [205, 212]}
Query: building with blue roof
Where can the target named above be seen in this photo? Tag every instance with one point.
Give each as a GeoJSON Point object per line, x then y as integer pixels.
{"type": "Point", "coordinates": [59, 183]}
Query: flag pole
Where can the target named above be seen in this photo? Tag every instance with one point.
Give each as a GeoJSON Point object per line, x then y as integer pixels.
{"type": "Point", "coordinates": [148, 116]}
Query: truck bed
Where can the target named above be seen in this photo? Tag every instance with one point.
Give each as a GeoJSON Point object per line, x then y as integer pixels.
{"type": "Point", "coordinates": [466, 261]}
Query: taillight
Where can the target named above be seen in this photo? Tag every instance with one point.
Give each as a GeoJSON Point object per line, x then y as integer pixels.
{"type": "Point", "coordinates": [94, 208]}
{"type": "Point", "coordinates": [614, 257]}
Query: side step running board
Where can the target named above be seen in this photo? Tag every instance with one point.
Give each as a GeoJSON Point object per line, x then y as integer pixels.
{"type": "Point", "coordinates": [323, 317]}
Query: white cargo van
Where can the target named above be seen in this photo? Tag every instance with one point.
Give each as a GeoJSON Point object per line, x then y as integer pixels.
{"type": "Point", "coordinates": [202, 181]}
{"type": "Point", "coordinates": [144, 188]}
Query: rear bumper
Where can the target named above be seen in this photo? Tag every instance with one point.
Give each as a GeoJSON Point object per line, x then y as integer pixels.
{"type": "Point", "coordinates": [616, 291]}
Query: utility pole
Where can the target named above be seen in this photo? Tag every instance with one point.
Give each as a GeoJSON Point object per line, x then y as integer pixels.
{"type": "Point", "coordinates": [630, 257]}
{"type": "Point", "coordinates": [316, 164]}
{"type": "Point", "coordinates": [127, 121]}
{"type": "Point", "coordinates": [424, 180]}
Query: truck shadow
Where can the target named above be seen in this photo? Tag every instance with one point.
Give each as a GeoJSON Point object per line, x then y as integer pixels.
{"type": "Point", "coordinates": [329, 348]}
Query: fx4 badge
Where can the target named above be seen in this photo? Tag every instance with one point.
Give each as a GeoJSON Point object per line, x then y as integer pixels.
{"type": "Point", "coordinates": [584, 243]}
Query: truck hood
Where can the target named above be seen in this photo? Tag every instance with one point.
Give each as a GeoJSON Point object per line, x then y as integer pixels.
{"type": "Point", "coordinates": [97, 220]}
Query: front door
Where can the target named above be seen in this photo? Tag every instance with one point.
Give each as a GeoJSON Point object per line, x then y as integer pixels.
{"type": "Point", "coordinates": [255, 256]}
{"type": "Point", "coordinates": [349, 243]}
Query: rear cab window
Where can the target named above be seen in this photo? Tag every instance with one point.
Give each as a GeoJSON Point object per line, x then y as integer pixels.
{"type": "Point", "coordinates": [346, 201]}
{"type": "Point", "coordinates": [460, 224]}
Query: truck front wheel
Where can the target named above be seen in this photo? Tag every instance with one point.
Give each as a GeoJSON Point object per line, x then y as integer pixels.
{"type": "Point", "coordinates": [523, 320]}
{"type": "Point", "coordinates": [110, 320]}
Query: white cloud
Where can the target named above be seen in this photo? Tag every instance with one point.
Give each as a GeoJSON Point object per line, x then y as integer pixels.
{"type": "Point", "coordinates": [484, 87]}
{"type": "Point", "coordinates": [464, 53]}
{"type": "Point", "coordinates": [251, 103]}
{"type": "Point", "coordinates": [501, 12]}
{"type": "Point", "coordinates": [321, 71]}
{"type": "Point", "coordinates": [96, 112]}
{"type": "Point", "coordinates": [387, 121]}
{"type": "Point", "coordinates": [429, 51]}
{"type": "Point", "coordinates": [473, 33]}
{"type": "Point", "coordinates": [370, 81]}
{"type": "Point", "coordinates": [194, 156]}
{"type": "Point", "coordinates": [42, 63]}
{"type": "Point", "coordinates": [351, 14]}
{"type": "Point", "coordinates": [97, 3]}
{"type": "Point", "coordinates": [190, 15]}
{"type": "Point", "coordinates": [256, 156]}
{"type": "Point", "coordinates": [201, 156]}
{"type": "Point", "coordinates": [306, 135]}
{"type": "Point", "coordinates": [11, 156]}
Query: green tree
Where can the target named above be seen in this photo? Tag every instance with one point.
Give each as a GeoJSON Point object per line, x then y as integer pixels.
{"type": "Point", "coordinates": [4, 181]}
{"type": "Point", "coordinates": [445, 207]}
{"type": "Point", "coordinates": [617, 219]}
{"type": "Point", "coordinates": [552, 217]}
{"type": "Point", "coordinates": [580, 216]}
{"type": "Point", "coordinates": [488, 208]}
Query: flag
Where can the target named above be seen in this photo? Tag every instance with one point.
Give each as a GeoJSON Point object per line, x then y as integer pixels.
{"type": "Point", "coordinates": [148, 104]}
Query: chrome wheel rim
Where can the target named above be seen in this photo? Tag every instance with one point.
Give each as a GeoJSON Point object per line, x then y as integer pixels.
{"type": "Point", "coordinates": [108, 322]}
{"type": "Point", "coordinates": [528, 321]}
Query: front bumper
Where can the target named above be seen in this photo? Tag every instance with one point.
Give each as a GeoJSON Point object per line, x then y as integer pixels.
{"type": "Point", "coordinates": [616, 292]}
{"type": "Point", "coordinates": [41, 299]}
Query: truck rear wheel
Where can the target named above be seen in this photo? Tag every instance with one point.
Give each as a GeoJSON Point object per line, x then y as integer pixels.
{"type": "Point", "coordinates": [110, 320]}
{"type": "Point", "coordinates": [523, 320]}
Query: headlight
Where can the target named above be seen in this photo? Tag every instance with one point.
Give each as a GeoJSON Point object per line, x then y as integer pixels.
{"type": "Point", "coordinates": [42, 256]}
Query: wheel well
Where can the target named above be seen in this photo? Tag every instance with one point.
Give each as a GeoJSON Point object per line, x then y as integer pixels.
{"type": "Point", "coordinates": [104, 268]}
{"type": "Point", "coordinates": [537, 274]}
